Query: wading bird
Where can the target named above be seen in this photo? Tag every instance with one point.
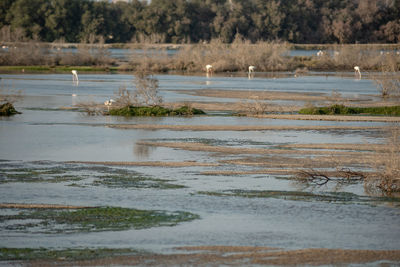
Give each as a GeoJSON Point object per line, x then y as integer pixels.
{"type": "Point", "coordinates": [320, 53]}
{"type": "Point", "coordinates": [357, 71]}
{"type": "Point", "coordinates": [108, 103]}
{"type": "Point", "coordinates": [75, 76]}
{"type": "Point", "coordinates": [209, 69]}
{"type": "Point", "coordinates": [251, 69]}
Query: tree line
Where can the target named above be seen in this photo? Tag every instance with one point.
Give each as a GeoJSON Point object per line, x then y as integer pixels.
{"type": "Point", "coordinates": [192, 21]}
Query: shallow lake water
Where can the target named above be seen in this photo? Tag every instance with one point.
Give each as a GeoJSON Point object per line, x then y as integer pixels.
{"type": "Point", "coordinates": [44, 137]}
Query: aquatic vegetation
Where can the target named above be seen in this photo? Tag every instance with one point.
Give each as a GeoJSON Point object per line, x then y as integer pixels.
{"type": "Point", "coordinates": [154, 111]}
{"type": "Point", "coordinates": [343, 110]}
{"type": "Point", "coordinates": [64, 254]}
{"type": "Point", "coordinates": [37, 175]}
{"type": "Point", "coordinates": [336, 197]}
{"type": "Point", "coordinates": [134, 181]}
{"type": "Point", "coordinates": [92, 219]}
{"type": "Point", "coordinates": [7, 109]}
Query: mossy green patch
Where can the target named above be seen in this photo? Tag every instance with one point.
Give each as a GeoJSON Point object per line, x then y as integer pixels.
{"type": "Point", "coordinates": [343, 110]}
{"type": "Point", "coordinates": [91, 219]}
{"type": "Point", "coordinates": [338, 197]}
{"type": "Point", "coordinates": [135, 181]}
{"type": "Point", "coordinates": [7, 254]}
{"type": "Point", "coordinates": [158, 111]}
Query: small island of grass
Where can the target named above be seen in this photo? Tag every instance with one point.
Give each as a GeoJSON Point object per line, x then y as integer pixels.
{"type": "Point", "coordinates": [155, 111]}
{"type": "Point", "coordinates": [343, 110]}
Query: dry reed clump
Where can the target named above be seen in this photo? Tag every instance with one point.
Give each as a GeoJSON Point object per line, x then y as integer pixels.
{"type": "Point", "coordinates": [387, 165]}
{"type": "Point", "coordinates": [91, 108]}
{"type": "Point", "coordinates": [22, 54]}
{"type": "Point", "coordinates": [345, 57]}
{"type": "Point", "coordinates": [151, 60]}
{"type": "Point", "coordinates": [238, 56]}
{"type": "Point", "coordinates": [253, 106]}
{"type": "Point", "coordinates": [388, 81]}
{"type": "Point", "coordinates": [87, 55]}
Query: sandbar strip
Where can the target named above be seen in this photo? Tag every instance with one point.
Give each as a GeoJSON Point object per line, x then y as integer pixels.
{"type": "Point", "coordinates": [237, 150]}
{"type": "Point", "coordinates": [243, 127]}
{"type": "Point", "coordinates": [240, 256]}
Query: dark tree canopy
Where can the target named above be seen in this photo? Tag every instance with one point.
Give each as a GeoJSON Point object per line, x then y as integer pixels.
{"type": "Point", "coordinates": [183, 21]}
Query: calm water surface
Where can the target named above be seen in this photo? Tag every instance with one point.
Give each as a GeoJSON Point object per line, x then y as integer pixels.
{"type": "Point", "coordinates": [45, 136]}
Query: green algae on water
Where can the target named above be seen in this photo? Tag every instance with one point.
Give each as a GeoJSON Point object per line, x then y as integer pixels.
{"type": "Point", "coordinates": [91, 219]}
{"type": "Point", "coordinates": [132, 181]}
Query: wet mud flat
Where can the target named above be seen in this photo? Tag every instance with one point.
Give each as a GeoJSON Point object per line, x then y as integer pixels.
{"type": "Point", "coordinates": [208, 190]}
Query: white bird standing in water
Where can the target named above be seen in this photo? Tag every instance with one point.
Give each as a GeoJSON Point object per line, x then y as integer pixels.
{"type": "Point", "coordinates": [75, 76]}
{"type": "Point", "coordinates": [357, 70]}
{"type": "Point", "coordinates": [109, 103]}
{"type": "Point", "coordinates": [252, 69]}
{"type": "Point", "coordinates": [209, 69]}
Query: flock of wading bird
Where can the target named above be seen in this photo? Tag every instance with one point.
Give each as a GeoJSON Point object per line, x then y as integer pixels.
{"type": "Point", "coordinates": [209, 71]}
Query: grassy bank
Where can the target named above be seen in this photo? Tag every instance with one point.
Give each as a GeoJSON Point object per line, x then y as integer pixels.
{"type": "Point", "coordinates": [343, 110]}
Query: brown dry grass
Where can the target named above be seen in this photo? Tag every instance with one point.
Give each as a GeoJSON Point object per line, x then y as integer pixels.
{"type": "Point", "coordinates": [241, 127]}
{"type": "Point", "coordinates": [240, 256]}
{"type": "Point", "coordinates": [191, 146]}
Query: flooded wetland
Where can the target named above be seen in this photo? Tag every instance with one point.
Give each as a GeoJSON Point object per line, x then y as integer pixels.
{"type": "Point", "coordinates": [224, 188]}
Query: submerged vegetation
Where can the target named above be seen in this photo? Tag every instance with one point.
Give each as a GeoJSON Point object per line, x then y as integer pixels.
{"type": "Point", "coordinates": [81, 176]}
{"type": "Point", "coordinates": [65, 254]}
{"type": "Point", "coordinates": [92, 219]}
{"type": "Point", "coordinates": [343, 110]}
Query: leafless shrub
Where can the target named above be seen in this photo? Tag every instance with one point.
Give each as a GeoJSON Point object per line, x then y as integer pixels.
{"type": "Point", "coordinates": [388, 82]}
{"type": "Point", "coordinates": [253, 106]}
{"type": "Point", "coordinates": [123, 97]}
{"type": "Point", "coordinates": [387, 165]}
{"type": "Point", "coordinates": [146, 92]}
{"type": "Point", "coordinates": [91, 108]}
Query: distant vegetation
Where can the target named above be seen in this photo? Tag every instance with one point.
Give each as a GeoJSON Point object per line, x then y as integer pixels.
{"type": "Point", "coordinates": [184, 21]}
{"type": "Point", "coordinates": [343, 110]}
